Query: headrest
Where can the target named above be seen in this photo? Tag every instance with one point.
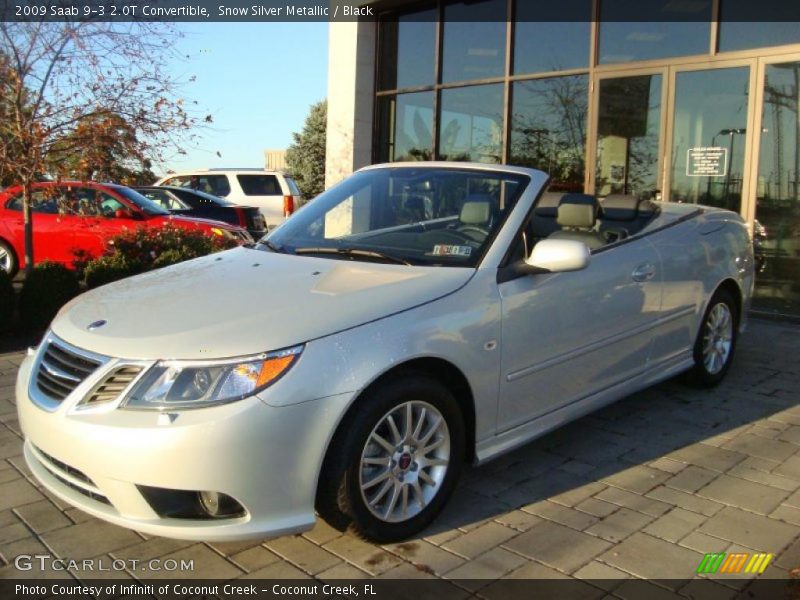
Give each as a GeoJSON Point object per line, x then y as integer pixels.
{"type": "Point", "coordinates": [548, 205]}
{"type": "Point", "coordinates": [577, 210]}
{"type": "Point", "coordinates": [476, 212]}
{"type": "Point", "coordinates": [620, 207]}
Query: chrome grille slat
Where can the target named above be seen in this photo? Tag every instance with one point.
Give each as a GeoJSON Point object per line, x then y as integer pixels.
{"type": "Point", "coordinates": [62, 369]}
{"type": "Point", "coordinates": [51, 387]}
{"type": "Point", "coordinates": [83, 366]}
{"type": "Point", "coordinates": [60, 373]}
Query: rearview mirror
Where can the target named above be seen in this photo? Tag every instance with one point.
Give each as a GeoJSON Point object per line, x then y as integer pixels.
{"type": "Point", "coordinates": [558, 256]}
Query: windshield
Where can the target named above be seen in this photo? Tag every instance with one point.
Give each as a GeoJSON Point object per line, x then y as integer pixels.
{"type": "Point", "coordinates": [148, 206]}
{"type": "Point", "coordinates": [420, 216]}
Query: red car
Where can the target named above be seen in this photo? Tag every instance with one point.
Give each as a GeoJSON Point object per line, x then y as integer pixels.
{"type": "Point", "coordinates": [71, 215]}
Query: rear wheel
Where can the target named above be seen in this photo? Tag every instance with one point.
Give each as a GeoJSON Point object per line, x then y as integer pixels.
{"type": "Point", "coordinates": [395, 462]}
{"type": "Point", "coordinates": [716, 341]}
{"type": "Point", "coordinates": [8, 259]}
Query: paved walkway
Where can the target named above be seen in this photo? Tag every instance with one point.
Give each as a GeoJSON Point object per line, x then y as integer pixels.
{"type": "Point", "coordinates": [642, 489]}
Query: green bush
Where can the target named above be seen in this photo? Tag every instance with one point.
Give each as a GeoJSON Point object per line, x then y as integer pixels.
{"type": "Point", "coordinates": [169, 257]}
{"type": "Point", "coordinates": [106, 269]}
{"type": "Point", "coordinates": [7, 301]}
{"type": "Point", "coordinates": [46, 289]}
{"type": "Point", "coordinates": [144, 249]}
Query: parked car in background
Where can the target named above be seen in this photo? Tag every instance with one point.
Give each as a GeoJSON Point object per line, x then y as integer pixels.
{"type": "Point", "coordinates": [274, 193]}
{"type": "Point", "coordinates": [429, 314]}
{"type": "Point", "coordinates": [70, 216]}
{"type": "Point", "coordinates": [194, 203]}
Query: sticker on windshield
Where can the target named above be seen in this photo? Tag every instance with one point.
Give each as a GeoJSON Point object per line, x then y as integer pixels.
{"type": "Point", "coordinates": [445, 250]}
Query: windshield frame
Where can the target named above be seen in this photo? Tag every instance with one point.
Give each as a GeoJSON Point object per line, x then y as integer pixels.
{"type": "Point", "coordinates": [294, 234]}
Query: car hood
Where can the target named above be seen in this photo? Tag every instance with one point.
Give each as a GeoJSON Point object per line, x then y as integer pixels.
{"type": "Point", "coordinates": [244, 301]}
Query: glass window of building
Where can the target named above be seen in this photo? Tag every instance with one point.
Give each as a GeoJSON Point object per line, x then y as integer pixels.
{"type": "Point", "coordinates": [776, 232]}
{"type": "Point", "coordinates": [405, 127]}
{"type": "Point", "coordinates": [548, 128]}
{"type": "Point", "coordinates": [407, 50]}
{"type": "Point", "coordinates": [474, 45]}
{"type": "Point", "coordinates": [539, 37]}
{"type": "Point", "coordinates": [746, 24]}
{"type": "Point", "coordinates": [471, 124]}
{"type": "Point", "coordinates": [628, 125]}
{"type": "Point", "coordinates": [635, 30]}
{"type": "Point", "coordinates": [709, 136]}
{"type": "Point", "coordinates": [742, 36]}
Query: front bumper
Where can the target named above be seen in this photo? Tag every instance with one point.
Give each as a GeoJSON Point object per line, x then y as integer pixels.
{"type": "Point", "coordinates": [266, 457]}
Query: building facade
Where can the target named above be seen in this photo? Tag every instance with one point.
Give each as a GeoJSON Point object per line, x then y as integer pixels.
{"type": "Point", "coordinates": [682, 101]}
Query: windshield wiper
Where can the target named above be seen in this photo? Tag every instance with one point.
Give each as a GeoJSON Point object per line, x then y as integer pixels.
{"type": "Point", "coordinates": [273, 246]}
{"type": "Point", "coordinates": [353, 252]}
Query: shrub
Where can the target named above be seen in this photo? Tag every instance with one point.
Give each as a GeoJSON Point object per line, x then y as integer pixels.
{"type": "Point", "coordinates": [7, 301]}
{"type": "Point", "coordinates": [106, 269]}
{"type": "Point", "coordinates": [143, 249]}
{"type": "Point", "coordinates": [48, 287]}
{"type": "Point", "coordinates": [169, 257]}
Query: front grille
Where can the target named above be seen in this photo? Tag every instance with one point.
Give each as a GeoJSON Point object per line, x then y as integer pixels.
{"type": "Point", "coordinates": [114, 384]}
{"type": "Point", "coordinates": [71, 477]}
{"type": "Point", "coordinates": [61, 370]}
{"type": "Point", "coordinates": [85, 492]}
{"type": "Point", "coordinates": [77, 474]}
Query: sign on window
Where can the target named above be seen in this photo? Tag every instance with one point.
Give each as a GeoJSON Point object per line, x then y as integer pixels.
{"type": "Point", "coordinates": [708, 161]}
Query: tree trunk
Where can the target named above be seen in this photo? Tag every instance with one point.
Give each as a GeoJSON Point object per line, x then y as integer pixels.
{"type": "Point", "coordinates": [28, 221]}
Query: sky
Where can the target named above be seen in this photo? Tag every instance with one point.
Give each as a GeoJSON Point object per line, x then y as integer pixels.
{"type": "Point", "coordinates": [257, 80]}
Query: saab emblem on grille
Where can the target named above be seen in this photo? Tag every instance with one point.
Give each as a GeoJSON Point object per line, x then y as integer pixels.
{"type": "Point", "coordinates": [96, 324]}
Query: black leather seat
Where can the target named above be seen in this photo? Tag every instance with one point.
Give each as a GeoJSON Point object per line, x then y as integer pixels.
{"type": "Point", "coordinates": [577, 216]}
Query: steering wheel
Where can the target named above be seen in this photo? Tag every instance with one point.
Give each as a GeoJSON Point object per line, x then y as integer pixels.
{"type": "Point", "coordinates": [473, 229]}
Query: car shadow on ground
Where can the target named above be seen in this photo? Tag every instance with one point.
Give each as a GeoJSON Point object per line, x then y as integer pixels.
{"type": "Point", "coordinates": [617, 444]}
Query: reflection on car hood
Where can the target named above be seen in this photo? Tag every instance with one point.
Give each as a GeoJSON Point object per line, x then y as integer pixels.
{"type": "Point", "coordinates": [200, 220]}
{"type": "Point", "coordinates": [245, 301]}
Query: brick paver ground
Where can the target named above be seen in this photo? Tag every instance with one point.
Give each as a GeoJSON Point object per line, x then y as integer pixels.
{"type": "Point", "coordinates": [642, 489]}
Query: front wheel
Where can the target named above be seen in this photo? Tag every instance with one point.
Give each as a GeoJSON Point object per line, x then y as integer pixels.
{"type": "Point", "coordinates": [8, 259]}
{"type": "Point", "coordinates": [716, 341]}
{"type": "Point", "coordinates": [396, 461]}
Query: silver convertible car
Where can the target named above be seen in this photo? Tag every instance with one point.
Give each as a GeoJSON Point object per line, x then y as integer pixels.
{"type": "Point", "coordinates": [413, 317]}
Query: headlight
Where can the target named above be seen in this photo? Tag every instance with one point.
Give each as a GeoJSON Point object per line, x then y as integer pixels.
{"type": "Point", "coordinates": [197, 384]}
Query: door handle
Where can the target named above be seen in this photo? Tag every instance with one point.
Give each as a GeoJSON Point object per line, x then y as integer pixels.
{"type": "Point", "coordinates": [644, 272]}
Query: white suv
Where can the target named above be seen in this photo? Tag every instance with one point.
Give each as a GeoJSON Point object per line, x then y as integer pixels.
{"type": "Point", "coordinates": [273, 192]}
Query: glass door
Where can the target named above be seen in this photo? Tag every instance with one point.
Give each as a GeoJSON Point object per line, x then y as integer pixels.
{"type": "Point", "coordinates": [709, 136]}
{"type": "Point", "coordinates": [628, 135]}
{"type": "Point", "coordinates": [776, 229]}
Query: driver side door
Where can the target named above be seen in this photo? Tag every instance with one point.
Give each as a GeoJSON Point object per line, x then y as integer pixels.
{"type": "Point", "coordinates": [567, 336]}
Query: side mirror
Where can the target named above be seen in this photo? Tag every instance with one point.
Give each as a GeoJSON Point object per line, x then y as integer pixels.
{"type": "Point", "coordinates": [556, 256]}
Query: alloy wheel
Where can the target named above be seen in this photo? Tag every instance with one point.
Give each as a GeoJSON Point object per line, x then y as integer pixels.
{"type": "Point", "coordinates": [404, 461]}
{"type": "Point", "coordinates": [718, 338]}
{"type": "Point", "coordinates": [5, 260]}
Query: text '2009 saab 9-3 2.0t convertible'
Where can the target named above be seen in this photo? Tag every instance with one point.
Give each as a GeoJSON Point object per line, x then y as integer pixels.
{"type": "Point", "coordinates": [411, 318]}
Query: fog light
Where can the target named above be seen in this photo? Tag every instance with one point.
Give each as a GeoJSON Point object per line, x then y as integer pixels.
{"type": "Point", "coordinates": [189, 504]}
{"type": "Point", "coordinates": [219, 505]}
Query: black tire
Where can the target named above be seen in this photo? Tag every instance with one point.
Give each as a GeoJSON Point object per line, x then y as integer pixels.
{"type": "Point", "coordinates": [10, 264]}
{"type": "Point", "coordinates": [702, 374]}
{"type": "Point", "coordinates": [340, 500]}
